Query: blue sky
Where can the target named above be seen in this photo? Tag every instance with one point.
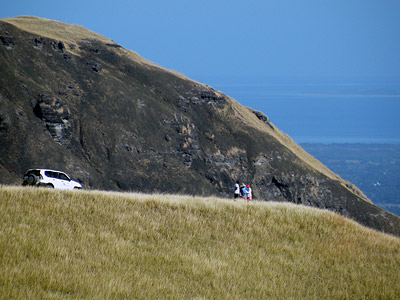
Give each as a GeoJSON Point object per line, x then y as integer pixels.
{"type": "Point", "coordinates": [252, 49]}
{"type": "Point", "coordinates": [246, 39]}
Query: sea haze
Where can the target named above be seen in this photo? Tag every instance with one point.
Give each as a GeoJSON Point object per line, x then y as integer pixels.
{"type": "Point", "coordinates": [326, 112]}
{"type": "Point", "coordinates": [374, 168]}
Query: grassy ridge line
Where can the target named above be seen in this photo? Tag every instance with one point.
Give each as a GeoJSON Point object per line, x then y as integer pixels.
{"type": "Point", "coordinates": [55, 30]}
{"type": "Point", "coordinates": [73, 34]}
{"type": "Point", "coordinates": [97, 245]}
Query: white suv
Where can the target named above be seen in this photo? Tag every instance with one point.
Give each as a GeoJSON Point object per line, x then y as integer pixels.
{"type": "Point", "coordinates": [50, 178]}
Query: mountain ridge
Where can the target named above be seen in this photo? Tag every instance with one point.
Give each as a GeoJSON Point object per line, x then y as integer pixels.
{"type": "Point", "coordinates": [116, 121]}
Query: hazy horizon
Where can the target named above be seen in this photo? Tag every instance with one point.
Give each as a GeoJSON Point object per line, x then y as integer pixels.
{"type": "Point", "coordinates": [321, 112]}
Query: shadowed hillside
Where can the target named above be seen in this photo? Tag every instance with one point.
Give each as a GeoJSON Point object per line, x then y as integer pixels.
{"type": "Point", "coordinates": [93, 245]}
{"type": "Point", "coordinates": [73, 100]}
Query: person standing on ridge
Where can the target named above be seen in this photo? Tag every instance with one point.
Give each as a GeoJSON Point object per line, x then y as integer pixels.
{"type": "Point", "coordinates": [249, 193]}
{"type": "Point", "coordinates": [246, 192]}
{"type": "Point", "coordinates": [243, 191]}
{"type": "Point", "coordinates": [236, 194]}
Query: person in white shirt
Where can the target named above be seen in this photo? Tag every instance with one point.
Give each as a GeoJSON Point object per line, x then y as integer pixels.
{"type": "Point", "coordinates": [237, 190]}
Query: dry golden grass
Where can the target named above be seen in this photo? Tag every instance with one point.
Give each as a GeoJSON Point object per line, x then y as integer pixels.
{"type": "Point", "coordinates": [55, 30]}
{"type": "Point", "coordinates": [97, 245]}
{"type": "Point", "coordinates": [74, 35]}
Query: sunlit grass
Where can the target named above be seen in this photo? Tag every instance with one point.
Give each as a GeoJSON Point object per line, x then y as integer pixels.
{"type": "Point", "coordinates": [55, 30]}
{"type": "Point", "coordinates": [97, 245]}
{"type": "Point", "coordinates": [73, 35]}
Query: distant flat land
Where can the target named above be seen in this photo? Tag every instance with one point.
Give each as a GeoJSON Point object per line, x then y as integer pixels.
{"type": "Point", "coordinates": [374, 168]}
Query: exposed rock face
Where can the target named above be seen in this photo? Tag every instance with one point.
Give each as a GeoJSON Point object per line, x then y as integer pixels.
{"type": "Point", "coordinates": [115, 121]}
{"type": "Point", "coordinates": [7, 41]}
{"type": "Point", "coordinates": [263, 118]}
{"type": "Point", "coordinates": [56, 116]}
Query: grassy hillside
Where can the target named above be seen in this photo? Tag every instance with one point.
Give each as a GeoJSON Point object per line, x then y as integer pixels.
{"type": "Point", "coordinates": [96, 245]}
{"type": "Point", "coordinates": [70, 34]}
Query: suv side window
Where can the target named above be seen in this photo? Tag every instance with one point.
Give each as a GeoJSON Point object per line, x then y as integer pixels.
{"type": "Point", "coordinates": [50, 174]}
{"type": "Point", "coordinates": [63, 176]}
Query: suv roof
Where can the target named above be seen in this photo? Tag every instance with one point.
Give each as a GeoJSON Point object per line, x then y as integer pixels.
{"type": "Point", "coordinates": [51, 170]}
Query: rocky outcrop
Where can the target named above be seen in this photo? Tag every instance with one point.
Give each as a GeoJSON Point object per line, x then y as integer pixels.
{"type": "Point", "coordinates": [262, 117]}
{"type": "Point", "coordinates": [117, 122]}
{"type": "Point", "coordinates": [7, 41]}
{"type": "Point", "coordinates": [56, 116]}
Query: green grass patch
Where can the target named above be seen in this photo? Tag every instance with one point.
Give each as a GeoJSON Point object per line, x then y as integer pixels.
{"type": "Point", "coordinates": [98, 245]}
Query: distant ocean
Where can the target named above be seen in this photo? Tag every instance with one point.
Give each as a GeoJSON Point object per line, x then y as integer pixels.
{"type": "Point", "coordinates": [326, 112]}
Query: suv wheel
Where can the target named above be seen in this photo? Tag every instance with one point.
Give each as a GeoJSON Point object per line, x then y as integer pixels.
{"type": "Point", "coordinates": [32, 179]}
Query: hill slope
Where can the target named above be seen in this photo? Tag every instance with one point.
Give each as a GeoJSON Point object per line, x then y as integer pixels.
{"type": "Point", "coordinates": [92, 245]}
{"type": "Point", "coordinates": [73, 100]}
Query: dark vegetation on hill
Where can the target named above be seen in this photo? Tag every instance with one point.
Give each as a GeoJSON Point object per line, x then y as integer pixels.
{"type": "Point", "coordinates": [73, 100]}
